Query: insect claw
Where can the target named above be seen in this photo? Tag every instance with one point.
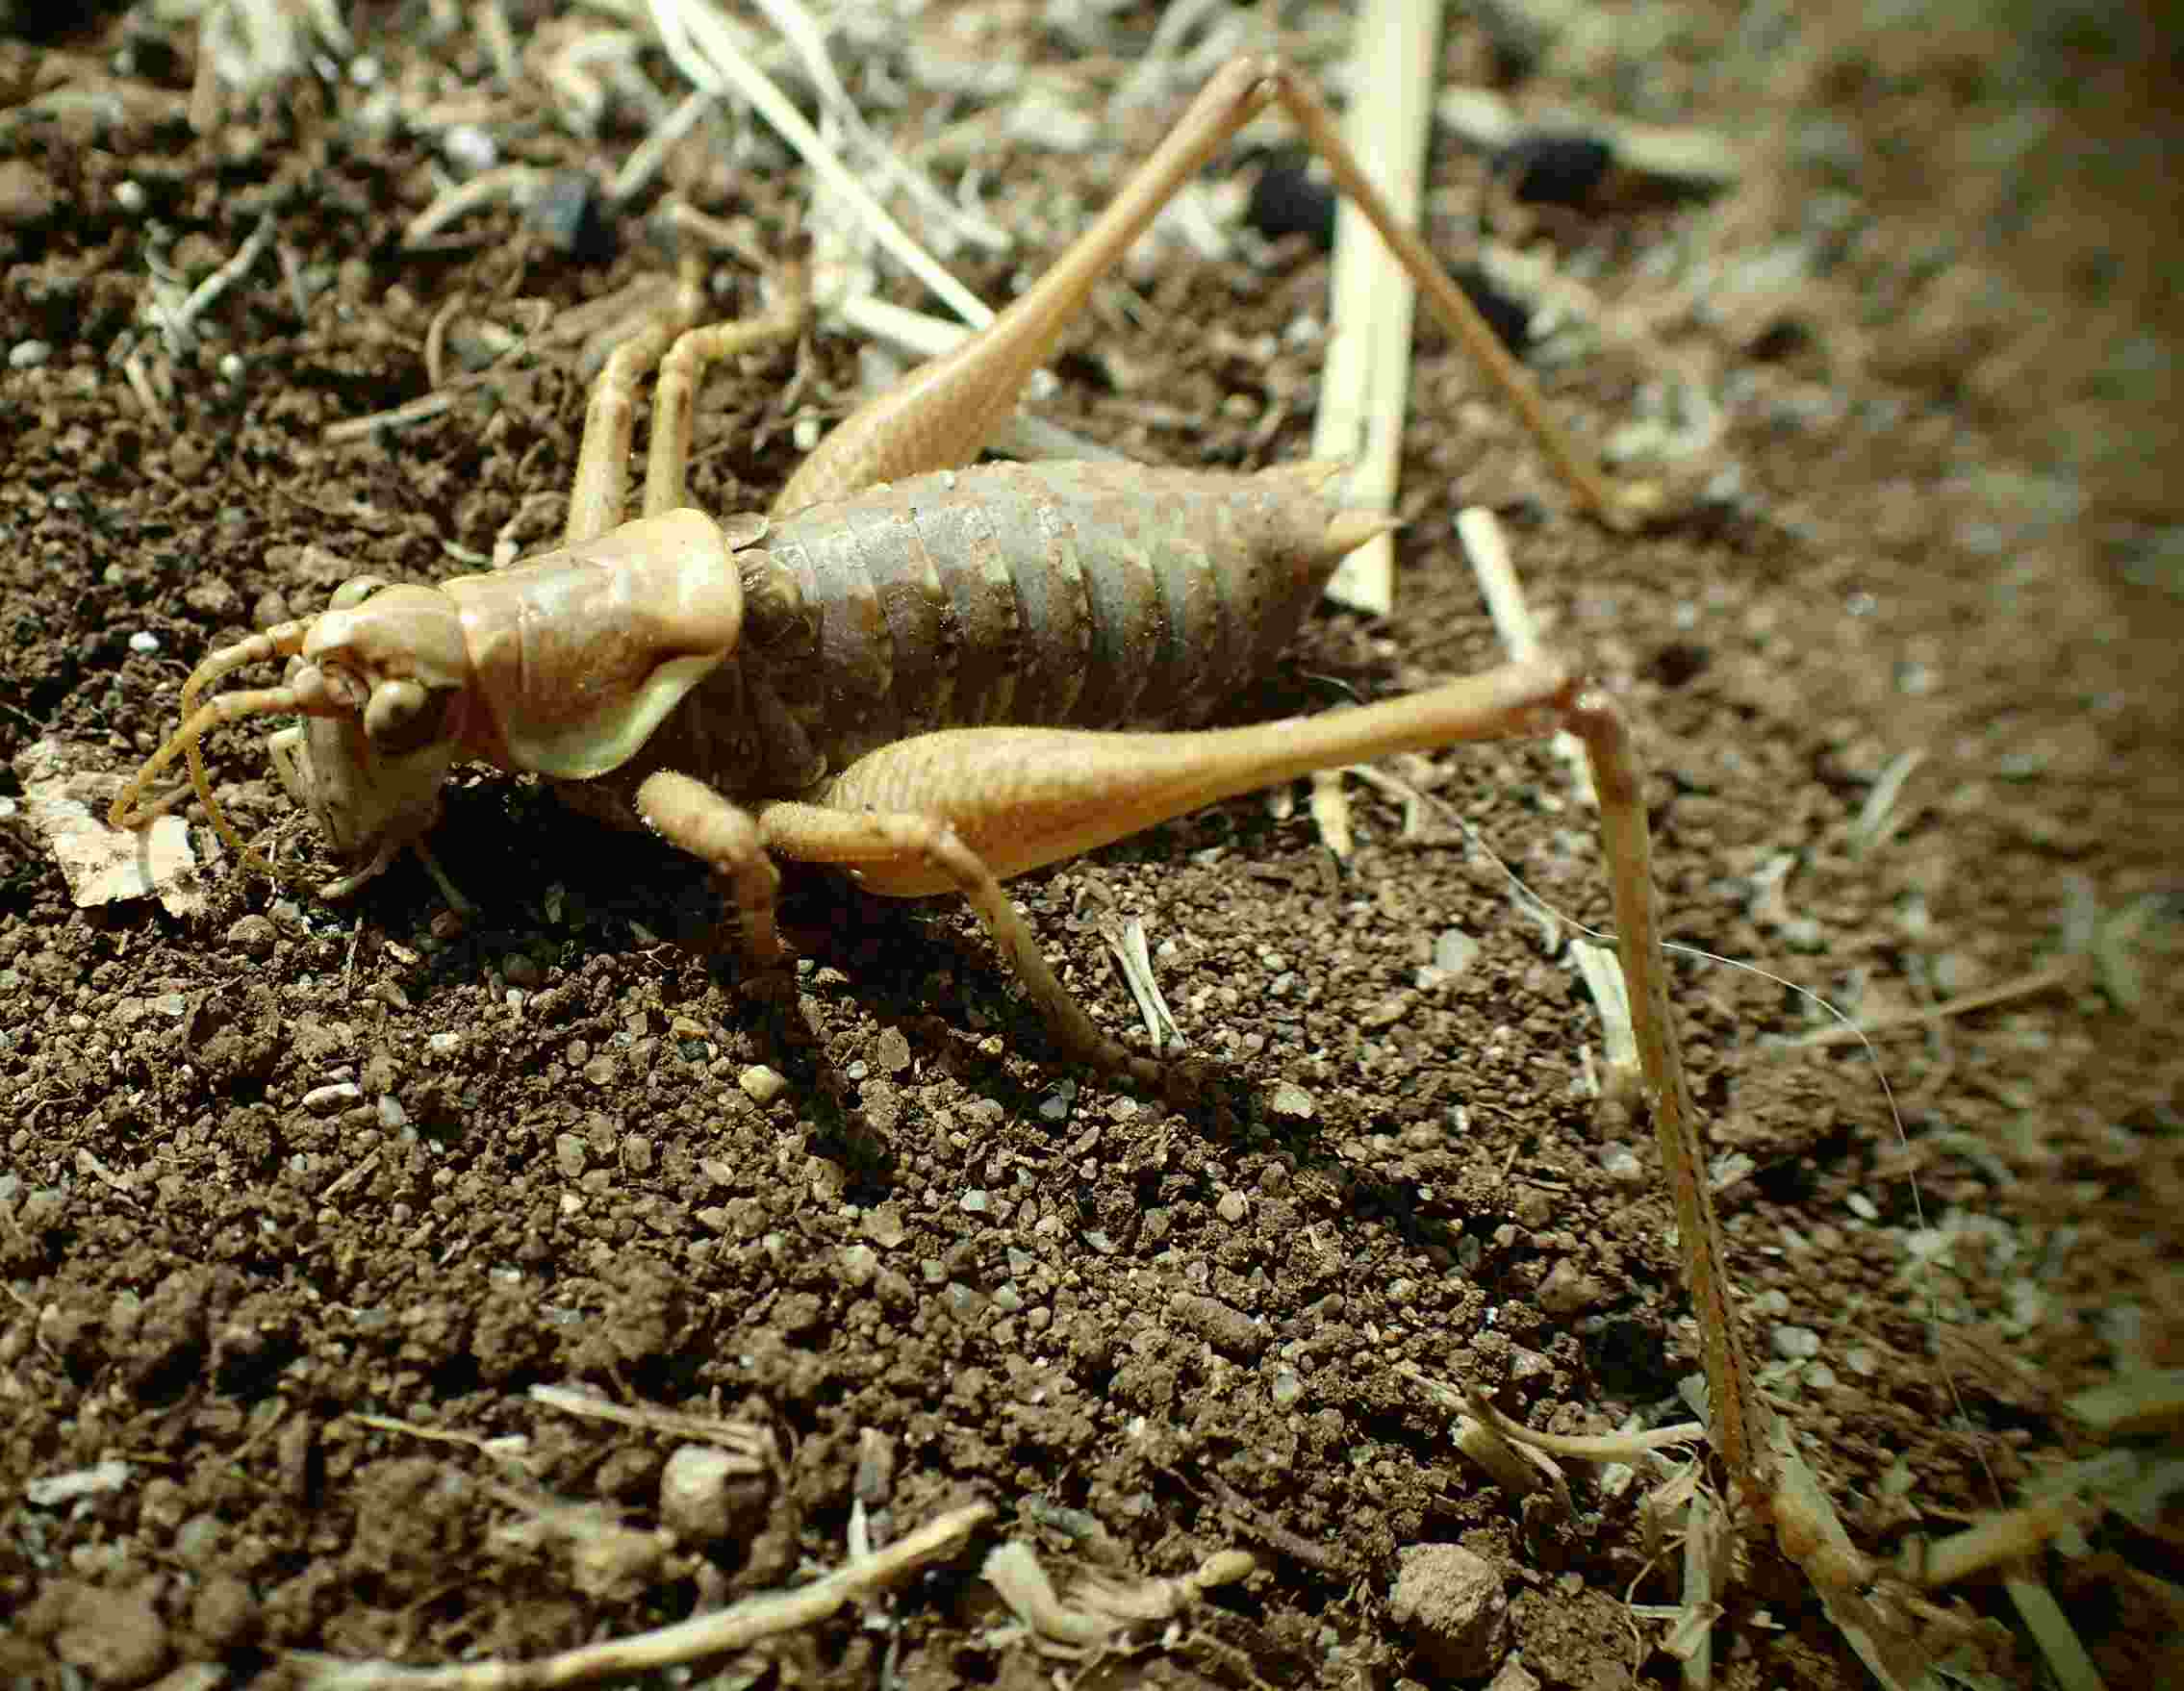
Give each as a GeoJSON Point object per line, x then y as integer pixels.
{"type": "Point", "coordinates": [348, 885]}
{"type": "Point", "coordinates": [456, 902]}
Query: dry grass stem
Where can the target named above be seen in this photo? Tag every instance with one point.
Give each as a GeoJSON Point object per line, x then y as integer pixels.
{"type": "Point", "coordinates": [1602, 1447]}
{"type": "Point", "coordinates": [645, 162]}
{"type": "Point", "coordinates": [706, 52]}
{"type": "Point", "coordinates": [2055, 975]}
{"type": "Point", "coordinates": [176, 326]}
{"type": "Point", "coordinates": [138, 378]}
{"type": "Point", "coordinates": [1100, 1609]}
{"type": "Point", "coordinates": [1125, 941]}
{"type": "Point", "coordinates": [1879, 818]}
{"type": "Point", "coordinates": [1365, 384]}
{"type": "Point", "coordinates": [1611, 996]}
{"type": "Point", "coordinates": [503, 185]}
{"type": "Point", "coordinates": [1330, 810]}
{"type": "Point", "coordinates": [1691, 1639]}
{"type": "Point", "coordinates": [1517, 1469]}
{"type": "Point", "coordinates": [797, 27]}
{"type": "Point", "coordinates": [739, 1625]}
{"type": "Point", "coordinates": [507, 1447]}
{"type": "Point", "coordinates": [745, 1438]}
{"type": "Point", "coordinates": [1488, 551]}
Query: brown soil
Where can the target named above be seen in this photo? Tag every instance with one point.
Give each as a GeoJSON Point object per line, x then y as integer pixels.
{"type": "Point", "coordinates": [1145, 1334]}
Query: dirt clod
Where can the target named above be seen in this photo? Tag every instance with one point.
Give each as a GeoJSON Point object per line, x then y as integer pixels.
{"type": "Point", "coordinates": [113, 1634]}
{"type": "Point", "coordinates": [1451, 1605]}
{"type": "Point", "coordinates": [27, 194]}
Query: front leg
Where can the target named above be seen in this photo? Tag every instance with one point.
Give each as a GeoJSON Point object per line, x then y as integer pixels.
{"type": "Point", "coordinates": [926, 847]}
{"type": "Point", "coordinates": [689, 814]}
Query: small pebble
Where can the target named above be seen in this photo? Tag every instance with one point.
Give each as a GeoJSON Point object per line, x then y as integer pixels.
{"type": "Point", "coordinates": [698, 1493]}
{"type": "Point", "coordinates": [1556, 169]}
{"type": "Point", "coordinates": [469, 147]}
{"type": "Point", "coordinates": [1287, 1389]}
{"type": "Point", "coordinates": [894, 1054]}
{"type": "Point", "coordinates": [637, 1155]}
{"type": "Point", "coordinates": [211, 598]}
{"type": "Point", "coordinates": [327, 1101]}
{"type": "Point", "coordinates": [223, 1613]}
{"type": "Point", "coordinates": [392, 1115]}
{"type": "Point", "coordinates": [1234, 1206]}
{"type": "Point", "coordinates": [1287, 199]}
{"type": "Point", "coordinates": [975, 1202]}
{"type": "Point", "coordinates": [114, 1636]}
{"type": "Point", "coordinates": [860, 1264]}
{"type": "Point", "coordinates": [130, 196]}
{"type": "Point", "coordinates": [569, 1155]}
{"type": "Point", "coordinates": [28, 355]}
{"type": "Point", "coordinates": [762, 1085]}
{"type": "Point", "coordinates": [1795, 1344]}
{"type": "Point", "coordinates": [1621, 1165]}
{"type": "Point", "coordinates": [1454, 950]}
{"type": "Point", "coordinates": [143, 641]}
{"type": "Point", "coordinates": [27, 194]}
{"type": "Point", "coordinates": [1514, 1674]}
{"type": "Point", "coordinates": [1227, 1327]}
{"type": "Point", "coordinates": [1293, 1100]}
{"type": "Point", "coordinates": [199, 1537]}
{"type": "Point", "coordinates": [566, 210]}
{"type": "Point", "coordinates": [966, 1303]}
{"type": "Point", "coordinates": [253, 936]}
{"type": "Point", "coordinates": [1565, 1291]}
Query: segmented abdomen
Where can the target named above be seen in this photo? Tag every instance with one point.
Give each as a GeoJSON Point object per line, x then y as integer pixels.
{"type": "Point", "coordinates": [1072, 595]}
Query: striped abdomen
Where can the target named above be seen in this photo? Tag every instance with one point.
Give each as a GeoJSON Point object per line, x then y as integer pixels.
{"type": "Point", "coordinates": [1072, 595]}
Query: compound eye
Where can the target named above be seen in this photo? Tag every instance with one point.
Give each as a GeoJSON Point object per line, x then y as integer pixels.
{"type": "Point", "coordinates": [403, 716]}
{"type": "Point", "coordinates": [355, 592]}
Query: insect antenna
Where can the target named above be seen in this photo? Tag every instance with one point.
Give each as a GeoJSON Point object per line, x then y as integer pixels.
{"type": "Point", "coordinates": [199, 720]}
